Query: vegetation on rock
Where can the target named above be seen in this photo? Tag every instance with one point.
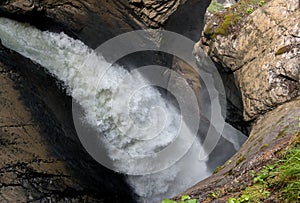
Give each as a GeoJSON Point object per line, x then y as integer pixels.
{"type": "Point", "coordinates": [184, 199]}
{"type": "Point", "coordinates": [281, 178]}
{"type": "Point", "coordinates": [229, 19]}
{"type": "Point", "coordinates": [215, 6]}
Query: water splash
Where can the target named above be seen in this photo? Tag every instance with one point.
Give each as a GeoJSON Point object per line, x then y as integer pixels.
{"type": "Point", "coordinates": [141, 125]}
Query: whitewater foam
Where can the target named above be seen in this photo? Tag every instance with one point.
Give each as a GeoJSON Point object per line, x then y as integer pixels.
{"type": "Point", "coordinates": [140, 125]}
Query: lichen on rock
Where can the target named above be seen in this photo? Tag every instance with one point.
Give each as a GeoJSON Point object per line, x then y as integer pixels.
{"type": "Point", "coordinates": [263, 51]}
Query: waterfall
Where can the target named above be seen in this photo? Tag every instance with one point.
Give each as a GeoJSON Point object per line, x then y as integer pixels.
{"type": "Point", "coordinates": [141, 132]}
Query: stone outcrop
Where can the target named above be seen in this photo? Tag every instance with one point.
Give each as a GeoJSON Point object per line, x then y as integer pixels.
{"type": "Point", "coordinates": [91, 21]}
{"type": "Point", "coordinates": [262, 49]}
{"type": "Point", "coordinates": [270, 136]}
{"type": "Point", "coordinates": [181, 16]}
{"type": "Point", "coordinates": [94, 22]}
{"type": "Point", "coordinates": [154, 13]}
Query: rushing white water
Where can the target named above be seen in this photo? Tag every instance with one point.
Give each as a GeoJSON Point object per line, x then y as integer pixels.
{"type": "Point", "coordinates": [151, 125]}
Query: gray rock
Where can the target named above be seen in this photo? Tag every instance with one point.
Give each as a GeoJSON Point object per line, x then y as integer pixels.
{"type": "Point", "coordinates": [264, 54]}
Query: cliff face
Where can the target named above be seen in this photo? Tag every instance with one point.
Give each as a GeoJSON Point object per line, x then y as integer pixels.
{"type": "Point", "coordinates": [261, 49]}
{"type": "Point", "coordinates": [91, 21]}
{"type": "Point", "coordinates": [259, 43]}
{"type": "Point", "coordinates": [41, 158]}
{"type": "Point", "coordinates": [154, 13]}
{"type": "Point", "coordinates": [94, 22]}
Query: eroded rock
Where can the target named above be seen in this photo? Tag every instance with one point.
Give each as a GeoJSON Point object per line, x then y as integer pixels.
{"type": "Point", "coordinates": [91, 21]}
{"type": "Point", "coordinates": [154, 13]}
{"type": "Point", "coordinates": [263, 51]}
{"type": "Point", "coordinates": [270, 136]}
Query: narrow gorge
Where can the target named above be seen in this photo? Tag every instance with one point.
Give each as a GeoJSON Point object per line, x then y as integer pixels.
{"type": "Point", "coordinates": [90, 115]}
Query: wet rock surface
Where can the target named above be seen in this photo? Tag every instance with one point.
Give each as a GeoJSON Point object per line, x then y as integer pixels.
{"type": "Point", "coordinates": [94, 22]}
{"type": "Point", "coordinates": [91, 21]}
{"type": "Point", "coordinates": [41, 158]}
{"type": "Point", "coordinates": [270, 136]}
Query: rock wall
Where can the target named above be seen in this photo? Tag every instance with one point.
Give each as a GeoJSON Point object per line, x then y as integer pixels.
{"type": "Point", "coordinates": [270, 136]}
{"type": "Point", "coordinates": [261, 48]}
{"type": "Point", "coordinates": [263, 51]}
{"type": "Point", "coordinates": [181, 16]}
{"type": "Point", "coordinates": [41, 158]}
{"type": "Point", "coordinates": [91, 21]}
{"type": "Point", "coordinates": [94, 22]}
{"type": "Point", "coordinates": [154, 13]}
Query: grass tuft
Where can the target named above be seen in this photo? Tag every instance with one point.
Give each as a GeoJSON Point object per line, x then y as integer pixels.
{"type": "Point", "coordinates": [287, 178]}
{"type": "Point", "coordinates": [280, 180]}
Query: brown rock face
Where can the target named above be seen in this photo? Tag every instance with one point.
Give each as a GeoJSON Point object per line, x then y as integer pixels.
{"type": "Point", "coordinates": [41, 158]}
{"type": "Point", "coordinates": [264, 54]}
{"type": "Point", "coordinates": [91, 21]}
{"type": "Point", "coordinates": [154, 13]}
{"type": "Point", "coordinates": [270, 135]}
{"type": "Point", "coordinates": [182, 16]}
{"type": "Point", "coordinates": [94, 21]}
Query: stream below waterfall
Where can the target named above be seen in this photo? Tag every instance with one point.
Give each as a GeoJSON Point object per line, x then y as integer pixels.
{"type": "Point", "coordinates": [141, 125]}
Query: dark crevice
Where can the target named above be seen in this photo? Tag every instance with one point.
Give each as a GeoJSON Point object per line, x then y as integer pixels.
{"type": "Point", "coordinates": [287, 78]}
{"type": "Point", "coordinates": [235, 108]}
{"type": "Point", "coordinates": [17, 126]}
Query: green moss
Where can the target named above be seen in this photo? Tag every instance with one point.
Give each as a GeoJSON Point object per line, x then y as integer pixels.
{"type": "Point", "coordinates": [208, 31]}
{"type": "Point", "coordinates": [225, 26]}
{"type": "Point", "coordinates": [184, 199]}
{"type": "Point", "coordinates": [218, 169]}
{"type": "Point", "coordinates": [261, 3]}
{"type": "Point", "coordinates": [264, 146]}
{"type": "Point", "coordinates": [240, 160]}
{"type": "Point", "coordinates": [281, 179]}
{"type": "Point", "coordinates": [232, 18]}
{"type": "Point", "coordinates": [283, 50]}
{"type": "Point", "coordinates": [215, 194]}
{"type": "Point", "coordinates": [287, 179]}
{"type": "Point", "coordinates": [283, 132]}
{"type": "Point", "coordinates": [257, 193]}
{"type": "Point", "coordinates": [215, 6]}
{"type": "Point", "coordinates": [249, 10]}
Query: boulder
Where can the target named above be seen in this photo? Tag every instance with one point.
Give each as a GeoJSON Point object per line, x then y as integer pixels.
{"type": "Point", "coordinates": [260, 44]}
